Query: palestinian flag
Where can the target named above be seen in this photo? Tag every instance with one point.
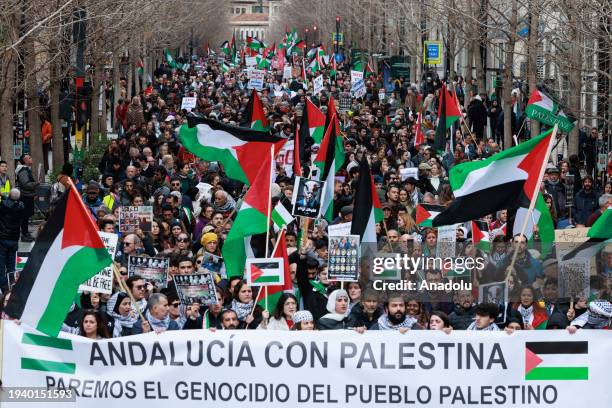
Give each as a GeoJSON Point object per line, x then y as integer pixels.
{"type": "Point", "coordinates": [296, 47]}
{"type": "Point", "coordinates": [329, 160]}
{"type": "Point", "coordinates": [547, 360]}
{"type": "Point", "coordinates": [600, 234]}
{"type": "Point", "coordinates": [225, 67]}
{"type": "Point", "coordinates": [254, 44]}
{"type": "Point", "coordinates": [169, 59]}
{"type": "Point", "coordinates": [239, 150]}
{"type": "Point", "coordinates": [281, 213]}
{"type": "Point", "coordinates": [263, 63]}
{"type": "Point", "coordinates": [369, 69]}
{"type": "Point", "coordinates": [419, 136]}
{"type": "Point", "coordinates": [264, 273]}
{"type": "Point", "coordinates": [255, 114]}
{"type": "Point", "coordinates": [67, 252]}
{"type": "Point", "coordinates": [233, 51]}
{"type": "Point", "coordinates": [314, 120]}
{"type": "Point", "coordinates": [508, 179]}
{"type": "Point", "coordinates": [225, 48]}
{"type": "Point", "coordinates": [366, 210]}
{"type": "Point", "coordinates": [140, 67]}
{"type": "Point", "coordinates": [252, 218]}
{"type": "Point", "coordinates": [541, 217]}
{"type": "Point", "coordinates": [303, 75]}
{"type": "Point", "coordinates": [425, 213]}
{"type": "Point", "coordinates": [480, 235]}
{"type": "Point", "coordinates": [21, 259]}
{"type": "Point", "coordinates": [542, 108]}
{"type": "Point", "coordinates": [275, 291]}
{"type": "Point", "coordinates": [448, 113]}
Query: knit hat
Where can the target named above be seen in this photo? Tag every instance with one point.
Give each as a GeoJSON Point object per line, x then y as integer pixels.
{"type": "Point", "coordinates": [93, 186]}
{"type": "Point", "coordinates": [208, 228]}
{"type": "Point", "coordinates": [208, 238]}
{"type": "Point", "coordinates": [302, 316]}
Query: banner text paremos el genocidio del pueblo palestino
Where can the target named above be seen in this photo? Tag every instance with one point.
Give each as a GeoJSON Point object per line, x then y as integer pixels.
{"type": "Point", "coordinates": [329, 369]}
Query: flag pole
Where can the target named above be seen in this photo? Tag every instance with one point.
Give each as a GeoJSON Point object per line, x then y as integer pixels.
{"type": "Point", "coordinates": [269, 215]}
{"type": "Point", "coordinates": [533, 199]}
{"type": "Point", "coordinates": [127, 290]}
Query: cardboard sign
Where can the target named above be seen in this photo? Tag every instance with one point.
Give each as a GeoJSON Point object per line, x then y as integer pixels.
{"type": "Point", "coordinates": [356, 76]}
{"type": "Point", "coordinates": [343, 264]}
{"type": "Point", "coordinates": [288, 72]}
{"type": "Point", "coordinates": [256, 79]}
{"type": "Point", "coordinates": [318, 85]}
{"type": "Point", "coordinates": [359, 89]}
{"type": "Point", "coordinates": [189, 103]}
{"type": "Point", "coordinates": [154, 270]}
{"type": "Point", "coordinates": [196, 288]}
{"type": "Point", "coordinates": [102, 282]}
{"type": "Point", "coordinates": [265, 271]}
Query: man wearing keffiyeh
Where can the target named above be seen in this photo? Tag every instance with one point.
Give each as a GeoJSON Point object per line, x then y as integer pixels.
{"type": "Point", "coordinates": [486, 313]}
{"type": "Point", "coordinates": [395, 317]}
{"type": "Point", "coordinates": [599, 316]}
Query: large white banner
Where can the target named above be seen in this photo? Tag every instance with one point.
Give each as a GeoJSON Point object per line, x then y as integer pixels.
{"type": "Point", "coordinates": [257, 368]}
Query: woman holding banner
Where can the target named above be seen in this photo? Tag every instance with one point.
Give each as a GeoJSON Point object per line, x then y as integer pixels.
{"type": "Point", "coordinates": [282, 317]}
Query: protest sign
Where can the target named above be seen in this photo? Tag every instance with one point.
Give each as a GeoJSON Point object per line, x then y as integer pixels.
{"type": "Point", "coordinates": [196, 288]}
{"type": "Point", "coordinates": [447, 241]}
{"type": "Point", "coordinates": [342, 229]}
{"type": "Point", "coordinates": [359, 90]}
{"type": "Point", "coordinates": [264, 271]}
{"type": "Point", "coordinates": [381, 95]}
{"type": "Point", "coordinates": [250, 61]}
{"type": "Point", "coordinates": [131, 218]}
{"type": "Point", "coordinates": [569, 190]}
{"type": "Point", "coordinates": [250, 368]}
{"type": "Point", "coordinates": [356, 76]}
{"type": "Point", "coordinates": [307, 197]}
{"type": "Point", "coordinates": [256, 79]}
{"type": "Point", "coordinates": [566, 240]}
{"type": "Point", "coordinates": [343, 262]}
{"type": "Point", "coordinates": [102, 282]}
{"type": "Point", "coordinates": [574, 278]}
{"type": "Point", "coordinates": [345, 102]}
{"type": "Point", "coordinates": [154, 270]}
{"type": "Point", "coordinates": [212, 263]}
{"type": "Point", "coordinates": [285, 157]}
{"type": "Point", "coordinates": [408, 172]}
{"type": "Point", "coordinates": [287, 72]}
{"type": "Point", "coordinates": [318, 85]}
{"type": "Point", "coordinates": [189, 103]}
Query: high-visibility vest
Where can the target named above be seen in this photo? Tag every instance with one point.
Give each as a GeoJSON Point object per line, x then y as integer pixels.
{"type": "Point", "coordinates": [6, 188]}
{"type": "Point", "coordinates": [109, 201]}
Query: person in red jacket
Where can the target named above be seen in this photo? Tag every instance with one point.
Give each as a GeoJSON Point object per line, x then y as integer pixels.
{"type": "Point", "coordinates": [47, 136]}
{"type": "Point", "coordinates": [121, 117]}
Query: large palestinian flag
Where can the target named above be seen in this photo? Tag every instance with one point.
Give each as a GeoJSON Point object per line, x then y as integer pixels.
{"type": "Point", "coordinates": [255, 115]}
{"type": "Point", "coordinates": [366, 208]}
{"type": "Point", "coordinates": [67, 252]}
{"type": "Point", "coordinates": [252, 218]}
{"type": "Point", "coordinates": [508, 179]}
{"type": "Point", "coordinates": [329, 160]}
{"type": "Point", "coordinates": [542, 108]}
{"type": "Point", "coordinates": [600, 235]}
{"type": "Point", "coordinates": [239, 150]}
{"type": "Point", "coordinates": [448, 113]}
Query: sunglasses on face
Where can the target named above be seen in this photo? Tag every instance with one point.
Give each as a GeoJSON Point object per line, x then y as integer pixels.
{"type": "Point", "coordinates": [139, 287]}
{"type": "Point", "coordinates": [123, 272]}
{"type": "Point", "coordinates": [175, 304]}
{"type": "Point", "coordinates": [183, 240]}
{"type": "Point", "coordinates": [176, 184]}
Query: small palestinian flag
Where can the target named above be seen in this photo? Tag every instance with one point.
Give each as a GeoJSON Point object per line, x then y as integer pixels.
{"type": "Point", "coordinates": [281, 214]}
{"type": "Point", "coordinates": [367, 209]}
{"type": "Point", "coordinates": [275, 291]}
{"type": "Point", "coordinates": [425, 213]}
{"type": "Point", "coordinates": [480, 235]}
{"type": "Point", "coordinates": [225, 48]}
{"type": "Point", "coordinates": [169, 59]}
{"type": "Point", "coordinates": [254, 44]}
{"type": "Point", "coordinates": [225, 67]}
{"type": "Point", "coordinates": [547, 360]}
{"type": "Point", "coordinates": [448, 113]}
{"type": "Point", "coordinates": [265, 271]}
{"type": "Point", "coordinates": [600, 234]}
{"type": "Point", "coordinates": [239, 150]}
{"type": "Point", "coordinates": [508, 179]}
{"type": "Point", "coordinates": [542, 108]}
{"type": "Point", "coordinates": [255, 115]}
{"type": "Point", "coordinates": [66, 253]}
{"type": "Point", "coordinates": [21, 258]}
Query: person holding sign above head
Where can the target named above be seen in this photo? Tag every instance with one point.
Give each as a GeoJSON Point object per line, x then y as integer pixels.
{"type": "Point", "coordinates": [157, 316]}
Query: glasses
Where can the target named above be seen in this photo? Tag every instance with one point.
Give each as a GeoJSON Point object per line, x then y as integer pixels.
{"type": "Point", "coordinates": [128, 243]}
{"type": "Point", "coordinates": [183, 240]}
{"type": "Point", "coordinates": [139, 287]}
{"type": "Point", "coordinates": [123, 272]}
{"type": "Point", "coordinates": [176, 184]}
{"type": "Point", "coordinates": [175, 304]}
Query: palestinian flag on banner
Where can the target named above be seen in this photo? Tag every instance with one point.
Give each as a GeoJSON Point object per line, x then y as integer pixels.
{"type": "Point", "coordinates": [508, 179]}
{"type": "Point", "coordinates": [367, 209]}
{"type": "Point", "coordinates": [547, 360]}
{"type": "Point", "coordinates": [169, 59]}
{"type": "Point", "coordinates": [255, 115]}
{"type": "Point", "coordinates": [252, 217]}
{"type": "Point", "coordinates": [448, 113]}
{"type": "Point", "coordinates": [21, 259]}
{"type": "Point", "coordinates": [275, 291]}
{"type": "Point", "coordinates": [67, 252]}
{"type": "Point", "coordinates": [541, 217]}
{"type": "Point", "coordinates": [329, 160]}
{"type": "Point", "coordinates": [425, 213]}
{"type": "Point", "coordinates": [600, 235]}
{"type": "Point", "coordinates": [480, 235]}
{"type": "Point", "coordinates": [239, 150]}
{"type": "Point", "coordinates": [542, 108]}
{"type": "Point", "coordinates": [225, 48]}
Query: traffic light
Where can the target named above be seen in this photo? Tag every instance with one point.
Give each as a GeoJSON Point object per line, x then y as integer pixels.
{"type": "Point", "coordinates": [82, 100]}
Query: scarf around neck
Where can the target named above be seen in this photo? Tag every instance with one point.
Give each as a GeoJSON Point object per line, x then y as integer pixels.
{"type": "Point", "coordinates": [385, 324]}
{"type": "Point", "coordinates": [526, 313]}
{"type": "Point", "coordinates": [491, 327]}
{"type": "Point", "coordinates": [242, 309]}
{"type": "Point", "coordinates": [157, 324]}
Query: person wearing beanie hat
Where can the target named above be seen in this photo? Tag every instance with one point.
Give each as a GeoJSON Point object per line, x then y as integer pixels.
{"type": "Point", "coordinates": [92, 198]}
{"type": "Point", "coordinates": [303, 320]}
{"type": "Point", "coordinates": [210, 242]}
{"type": "Point", "coordinates": [120, 315]}
{"type": "Point", "coordinates": [337, 306]}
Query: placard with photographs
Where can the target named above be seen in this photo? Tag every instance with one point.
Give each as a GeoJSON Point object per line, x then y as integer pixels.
{"type": "Point", "coordinates": [446, 246]}
{"type": "Point", "coordinates": [154, 270]}
{"type": "Point", "coordinates": [196, 288]}
{"type": "Point", "coordinates": [496, 293]}
{"type": "Point", "coordinates": [343, 264]}
{"type": "Point", "coordinates": [131, 218]}
{"type": "Point", "coordinates": [307, 197]}
{"type": "Point", "coordinates": [212, 263]}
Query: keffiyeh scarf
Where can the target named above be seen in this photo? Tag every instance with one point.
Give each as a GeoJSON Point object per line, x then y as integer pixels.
{"type": "Point", "coordinates": [242, 309]}
{"type": "Point", "coordinates": [157, 324]}
{"type": "Point", "coordinates": [526, 313]}
{"type": "Point", "coordinates": [385, 324]}
{"type": "Point", "coordinates": [491, 327]}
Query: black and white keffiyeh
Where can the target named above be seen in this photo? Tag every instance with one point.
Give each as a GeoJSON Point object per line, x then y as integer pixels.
{"type": "Point", "coordinates": [385, 324]}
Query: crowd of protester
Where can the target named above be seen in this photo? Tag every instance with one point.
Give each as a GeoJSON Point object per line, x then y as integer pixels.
{"type": "Point", "coordinates": [147, 165]}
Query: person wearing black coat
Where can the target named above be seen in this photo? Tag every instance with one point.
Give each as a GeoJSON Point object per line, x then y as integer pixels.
{"type": "Point", "coordinates": [477, 113]}
{"type": "Point", "coordinates": [11, 214]}
{"type": "Point", "coordinates": [313, 292]}
{"type": "Point", "coordinates": [366, 312]}
{"type": "Point", "coordinates": [338, 316]}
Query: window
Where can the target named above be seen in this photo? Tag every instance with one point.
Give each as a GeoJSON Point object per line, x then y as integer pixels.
{"type": "Point", "coordinates": [243, 10]}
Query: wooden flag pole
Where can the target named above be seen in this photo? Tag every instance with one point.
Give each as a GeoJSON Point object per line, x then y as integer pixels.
{"type": "Point", "coordinates": [127, 290]}
{"type": "Point", "coordinates": [533, 199]}
{"type": "Point", "coordinates": [269, 204]}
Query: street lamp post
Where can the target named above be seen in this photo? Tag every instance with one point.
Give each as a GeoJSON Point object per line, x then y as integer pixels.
{"type": "Point", "coordinates": [306, 36]}
{"type": "Point", "coordinates": [314, 35]}
{"type": "Point", "coordinates": [337, 36]}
